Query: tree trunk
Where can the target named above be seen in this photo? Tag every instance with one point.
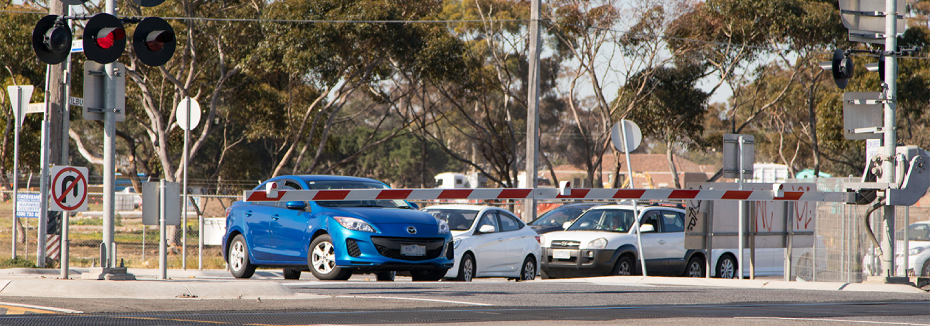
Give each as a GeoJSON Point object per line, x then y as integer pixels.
{"type": "Point", "coordinates": [671, 164]}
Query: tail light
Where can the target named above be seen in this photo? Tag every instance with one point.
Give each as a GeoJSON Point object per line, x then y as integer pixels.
{"type": "Point", "coordinates": [537, 240]}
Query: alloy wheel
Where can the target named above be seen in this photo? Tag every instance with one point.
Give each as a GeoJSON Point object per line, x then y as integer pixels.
{"type": "Point", "coordinates": [323, 257]}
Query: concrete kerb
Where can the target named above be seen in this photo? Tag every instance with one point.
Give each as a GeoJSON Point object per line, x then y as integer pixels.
{"type": "Point", "coordinates": [746, 284]}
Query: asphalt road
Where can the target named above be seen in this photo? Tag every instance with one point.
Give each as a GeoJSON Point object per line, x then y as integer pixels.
{"type": "Point", "coordinates": [494, 301]}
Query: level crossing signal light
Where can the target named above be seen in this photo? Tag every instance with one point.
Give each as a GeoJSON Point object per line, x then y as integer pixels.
{"type": "Point", "coordinates": [51, 39]}
{"type": "Point", "coordinates": [104, 38]}
{"type": "Point", "coordinates": [154, 41]}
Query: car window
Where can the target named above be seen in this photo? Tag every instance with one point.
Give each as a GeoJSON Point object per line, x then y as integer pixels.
{"type": "Point", "coordinates": [284, 184]}
{"type": "Point", "coordinates": [559, 216]}
{"type": "Point", "coordinates": [616, 220]}
{"type": "Point", "coordinates": [915, 232]}
{"type": "Point", "coordinates": [343, 184]}
{"type": "Point", "coordinates": [458, 219]}
{"type": "Point", "coordinates": [508, 223]}
{"type": "Point", "coordinates": [520, 223]}
{"type": "Point", "coordinates": [652, 218]}
{"type": "Point", "coordinates": [673, 221]}
{"type": "Point", "coordinates": [489, 218]}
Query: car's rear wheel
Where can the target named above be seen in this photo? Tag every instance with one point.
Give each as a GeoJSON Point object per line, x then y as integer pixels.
{"type": "Point", "coordinates": [695, 267]}
{"type": "Point", "coordinates": [322, 260]}
{"type": "Point", "coordinates": [385, 276]}
{"type": "Point", "coordinates": [291, 274]}
{"type": "Point", "coordinates": [238, 258]}
{"type": "Point", "coordinates": [528, 272]}
{"type": "Point", "coordinates": [428, 276]}
{"type": "Point", "coordinates": [624, 266]}
{"type": "Point", "coordinates": [726, 266]}
{"type": "Point", "coordinates": [926, 270]}
{"type": "Point", "coordinates": [466, 268]}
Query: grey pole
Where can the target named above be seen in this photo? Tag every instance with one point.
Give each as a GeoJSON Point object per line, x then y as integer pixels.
{"type": "Point", "coordinates": [65, 125]}
{"type": "Point", "coordinates": [888, 175]}
{"type": "Point", "coordinates": [16, 173]}
{"type": "Point", "coordinates": [43, 183]}
{"type": "Point", "coordinates": [739, 261]}
{"type": "Point", "coordinates": [532, 114]}
{"type": "Point", "coordinates": [187, 135]}
{"type": "Point", "coordinates": [109, 151]}
{"type": "Point", "coordinates": [162, 250]}
{"type": "Point", "coordinates": [629, 171]}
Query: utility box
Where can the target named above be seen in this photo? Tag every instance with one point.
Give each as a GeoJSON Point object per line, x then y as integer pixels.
{"type": "Point", "coordinates": [213, 230]}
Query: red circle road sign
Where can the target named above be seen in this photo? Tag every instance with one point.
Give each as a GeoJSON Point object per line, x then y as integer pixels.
{"type": "Point", "coordinates": [69, 188]}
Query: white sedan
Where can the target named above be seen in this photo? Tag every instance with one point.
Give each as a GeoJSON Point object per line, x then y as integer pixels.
{"type": "Point", "coordinates": [489, 242]}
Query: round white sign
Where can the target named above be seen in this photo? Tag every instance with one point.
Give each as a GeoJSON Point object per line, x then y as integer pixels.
{"type": "Point", "coordinates": [182, 114]}
{"type": "Point", "coordinates": [633, 136]}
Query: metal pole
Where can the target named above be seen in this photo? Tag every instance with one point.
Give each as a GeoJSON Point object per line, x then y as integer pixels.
{"type": "Point", "coordinates": [532, 114]}
{"type": "Point", "coordinates": [888, 175]}
{"type": "Point", "coordinates": [739, 260]}
{"type": "Point", "coordinates": [65, 125]}
{"type": "Point", "coordinates": [187, 135]}
{"type": "Point", "coordinates": [629, 171]}
{"type": "Point", "coordinates": [907, 222]}
{"type": "Point", "coordinates": [109, 151]}
{"type": "Point", "coordinates": [43, 184]}
{"type": "Point", "coordinates": [16, 173]}
{"type": "Point", "coordinates": [162, 250]}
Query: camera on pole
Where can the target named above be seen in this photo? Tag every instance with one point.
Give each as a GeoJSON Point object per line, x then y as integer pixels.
{"type": "Point", "coordinates": [51, 40]}
{"type": "Point", "coordinates": [154, 41]}
{"type": "Point", "coordinates": [104, 38]}
{"type": "Point", "coordinates": [842, 66]}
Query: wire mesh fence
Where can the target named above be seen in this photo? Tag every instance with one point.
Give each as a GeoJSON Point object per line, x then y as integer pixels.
{"type": "Point", "coordinates": [839, 254]}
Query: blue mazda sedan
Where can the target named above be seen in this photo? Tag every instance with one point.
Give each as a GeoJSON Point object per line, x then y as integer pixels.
{"type": "Point", "coordinates": [334, 239]}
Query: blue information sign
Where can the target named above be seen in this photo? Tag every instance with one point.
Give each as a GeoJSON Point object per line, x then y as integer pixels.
{"type": "Point", "coordinates": [28, 205]}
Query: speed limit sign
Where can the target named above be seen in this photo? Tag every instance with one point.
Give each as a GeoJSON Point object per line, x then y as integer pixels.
{"type": "Point", "coordinates": [69, 189]}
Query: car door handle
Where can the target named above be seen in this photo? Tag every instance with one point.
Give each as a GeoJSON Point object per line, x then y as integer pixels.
{"type": "Point", "coordinates": [661, 241]}
{"type": "Point", "coordinates": [248, 213]}
{"type": "Point", "coordinates": [275, 217]}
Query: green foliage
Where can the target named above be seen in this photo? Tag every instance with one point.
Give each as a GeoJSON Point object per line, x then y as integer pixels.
{"type": "Point", "coordinates": [17, 262]}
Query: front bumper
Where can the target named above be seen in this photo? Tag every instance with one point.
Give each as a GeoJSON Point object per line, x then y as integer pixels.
{"type": "Point", "coordinates": [581, 262]}
{"type": "Point", "coordinates": [368, 252]}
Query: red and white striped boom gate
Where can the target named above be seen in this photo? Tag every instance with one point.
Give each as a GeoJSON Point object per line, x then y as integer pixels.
{"type": "Point", "coordinates": [543, 193]}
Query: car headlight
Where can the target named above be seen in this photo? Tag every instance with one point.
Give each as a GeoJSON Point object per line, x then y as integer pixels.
{"type": "Point", "coordinates": [443, 226]}
{"type": "Point", "coordinates": [456, 243]}
{"type": "Point", "coordinates": [916, 251]}
{"type": "Point", "coordinates": [352, 223]}
{"type": "Point", "coordinates": [599, 243]}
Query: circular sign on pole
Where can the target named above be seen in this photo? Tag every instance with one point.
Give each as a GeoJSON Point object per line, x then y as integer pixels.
{"type": "Point", "coordinates": [182, 113]}
{"type": "Point", "coordinates": [69, 189]}
{"type": "Point", "coordinates": [633, 136]}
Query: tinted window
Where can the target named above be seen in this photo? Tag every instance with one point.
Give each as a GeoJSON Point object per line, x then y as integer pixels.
{"type": "Point", "coordinates": [617, 220]}
{"type": "Point", "coordinates": [520, 223]}
{"type": "Point", "coordinates": [559, 216]}
{"type": "Point", "coordinates": [458, 219]}
{"type": "Point", "coordinates": [508, 223]}
{"type": "Point", "coordinates": [342, 184]}
{"type": "Point", "coordinates": [673, 221]}
{"type": "Point", "coordinates": [282, 185]}
{"type": "Point", "coordinates": [652, 218]}
{"type": "Point", "coordinates": [915, 232]}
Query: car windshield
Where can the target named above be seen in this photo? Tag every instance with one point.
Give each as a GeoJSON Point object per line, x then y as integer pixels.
{"type": "Point", "coordinates": [559, 216]}
{"type": "Point", "coordinates": [614, 220]}
{"type": "Point", "coordinates": [342, 184]}
{"type": "Point", "coordinates": [458, 219]}
{"type": "Point", "coordinates": [915, 232]}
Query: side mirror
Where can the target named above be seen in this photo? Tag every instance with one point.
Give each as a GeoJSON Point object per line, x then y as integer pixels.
{"type": "Point", "coordinates": [566, 225]}
{"type": "Point", "coordinates": [486, 229]}
{"type": "Point", "coordinates": [299, 205]}
{"type": "Point", "coordinates": [646, 228]}
{"type": "Point", "coordinates": [414, 205]}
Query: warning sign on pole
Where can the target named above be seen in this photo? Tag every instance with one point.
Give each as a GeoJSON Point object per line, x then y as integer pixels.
{"type": "Point", "coordinates": [69, 189]}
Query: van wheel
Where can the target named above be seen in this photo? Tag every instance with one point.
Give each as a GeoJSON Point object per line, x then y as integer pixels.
{"type": "Point", "coordinates": [726, 266]}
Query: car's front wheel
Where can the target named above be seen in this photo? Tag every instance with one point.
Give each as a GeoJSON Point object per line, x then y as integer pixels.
{"type": "Point", "coordinates": [528, 272]}
{"type": "Point", "coordinates": [428, 276]}
{"type": "Point", "coordinates": [624, 266]}
{"type": "Point", "coordinates": [322, 260]}
{"type": "Point", "coordinates": [726, 266]}
{"type": "Point", "coordinates": [466, 268]}
{"type": "Point", "coordinates": [695, 267]}
{"type": "Point", "coordinates": [386, 276]}
{"type": "Point", "coordinates": [238, 258]}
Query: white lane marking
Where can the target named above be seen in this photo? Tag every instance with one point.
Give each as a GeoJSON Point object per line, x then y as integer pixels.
{"type": "Point", "coordinates": [836, 320]}
{"type": "Point", "coordinates": [414, 299]}
{"type": "Point", "coordinates": [62, 310]}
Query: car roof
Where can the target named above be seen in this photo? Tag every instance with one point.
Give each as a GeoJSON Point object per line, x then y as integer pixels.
{"type": "Point", "coordinates": [638, 207]}
{"type": "Point", "coordinates": [323, 177]}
